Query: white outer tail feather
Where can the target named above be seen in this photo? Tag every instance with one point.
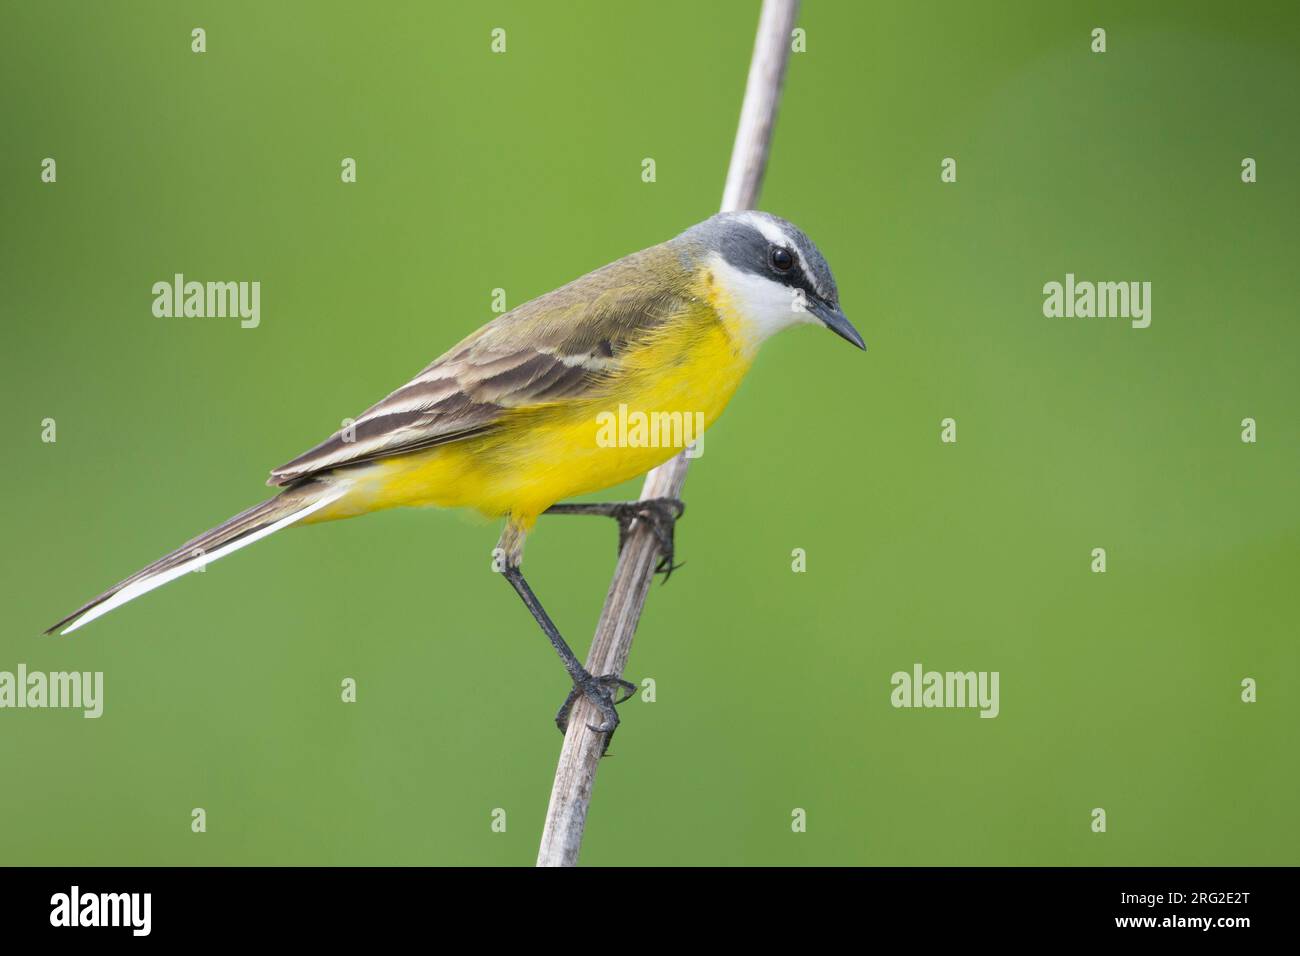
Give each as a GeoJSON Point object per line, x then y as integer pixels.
{"type": "Point", "coordinates": [133, 591]}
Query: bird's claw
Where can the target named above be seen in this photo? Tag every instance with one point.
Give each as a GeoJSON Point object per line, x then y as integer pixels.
{"type": "Point", "coordinates": [600, 691]}
{"type": "Point", "coordinates": [661, 515]}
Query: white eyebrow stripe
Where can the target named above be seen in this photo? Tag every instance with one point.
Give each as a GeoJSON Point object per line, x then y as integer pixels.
{"type": "Point", "coordinates": [770, 230]}
{"type": "Point", "coordinates": [775, 234]}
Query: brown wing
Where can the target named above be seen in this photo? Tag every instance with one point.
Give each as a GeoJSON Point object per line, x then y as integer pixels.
{"type": "Point", "coordinates": [555, 348]}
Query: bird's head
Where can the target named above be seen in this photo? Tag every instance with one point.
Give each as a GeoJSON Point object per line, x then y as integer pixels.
{"type": "Point", "coordinates": [773, 274]}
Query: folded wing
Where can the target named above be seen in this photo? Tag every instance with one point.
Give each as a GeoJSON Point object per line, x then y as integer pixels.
{"type": "Point", "coordinates": [556, 348]}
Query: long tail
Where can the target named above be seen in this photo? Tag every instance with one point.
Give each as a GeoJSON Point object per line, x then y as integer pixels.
{"type": "Point", "coordinates": [243, 529]}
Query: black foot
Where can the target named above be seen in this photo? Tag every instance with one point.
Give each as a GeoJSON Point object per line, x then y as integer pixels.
{"type": "Point", "coordinates": [600, 691]}
{"type": "Point", "coordinates": [661, 513]}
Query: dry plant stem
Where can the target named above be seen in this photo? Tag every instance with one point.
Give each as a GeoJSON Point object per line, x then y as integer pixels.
{"type": "Point", "coordinates": [566, 817]}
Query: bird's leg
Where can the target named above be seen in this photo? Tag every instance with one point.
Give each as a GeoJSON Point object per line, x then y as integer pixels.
{"type": "Point", "coordinates": [599, 689]}
{"type": "Point", "coordinates": [660, 513]}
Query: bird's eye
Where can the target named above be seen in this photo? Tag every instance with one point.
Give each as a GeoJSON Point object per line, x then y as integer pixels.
{"type": "Point", "coordinates": [782, 261]}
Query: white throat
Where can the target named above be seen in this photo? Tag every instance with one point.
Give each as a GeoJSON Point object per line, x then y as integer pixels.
{"type": "Point", "coordinates": [761, 306]}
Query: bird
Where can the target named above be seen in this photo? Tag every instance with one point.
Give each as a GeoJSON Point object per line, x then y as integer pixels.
{"type": "Point", "coordinates": [508, 421]}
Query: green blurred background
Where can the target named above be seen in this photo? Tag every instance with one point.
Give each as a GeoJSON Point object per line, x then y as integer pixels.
{"type": "Point", "coordinates": [523, 170]}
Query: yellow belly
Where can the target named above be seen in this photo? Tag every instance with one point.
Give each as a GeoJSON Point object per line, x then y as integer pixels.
{"type": "Point", "coordinates": [540, 455]}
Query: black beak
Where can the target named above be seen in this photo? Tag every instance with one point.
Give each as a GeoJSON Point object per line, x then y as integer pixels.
{"type": "Point", "coordinates": [834, 319]}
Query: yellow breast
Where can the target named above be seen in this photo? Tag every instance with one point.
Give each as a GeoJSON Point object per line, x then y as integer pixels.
{"type": "Point", "coordinates": [664, 395]}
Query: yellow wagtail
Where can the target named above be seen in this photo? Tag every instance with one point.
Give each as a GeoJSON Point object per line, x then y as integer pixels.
{"type": "Point", "coordinates": [509, 421]}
